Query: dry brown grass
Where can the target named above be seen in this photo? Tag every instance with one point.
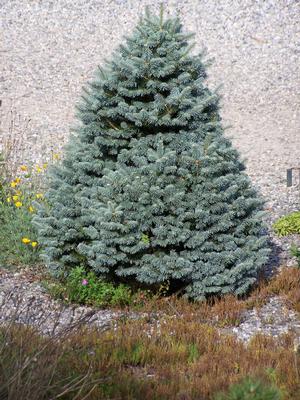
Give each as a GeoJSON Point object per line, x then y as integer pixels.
{"type": "Point", "coordinates": [220, 312]}
{"type": "Point", "coordinates": [229, 310]}
{"type": "Point", "coordinates": [173, 358]}
{"type": "Point", "coordinates": [285, 284]}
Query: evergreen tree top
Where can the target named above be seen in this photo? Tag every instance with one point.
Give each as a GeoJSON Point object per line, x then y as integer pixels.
{"type": "Point", "coordinates": [154, 49]}
{"type": "Point", "coordinates": [152, 81]}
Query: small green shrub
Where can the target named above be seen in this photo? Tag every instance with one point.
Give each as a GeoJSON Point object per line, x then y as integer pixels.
{"type": "Point", "coordinates": [86, 288]}
{"type": "Point", "coordinates": [295, 251]}
{"type": "Point", "coordinates": [288, 224]}
{"type": "Point", "coordinates": [250, 389]}
{"type": "Point", "coordinates": [193, 353]}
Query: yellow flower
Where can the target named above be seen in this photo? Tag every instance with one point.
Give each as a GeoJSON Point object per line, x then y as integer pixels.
{"type": "Point", "coordinates": [39, 195]}
{"type": "Point", "coordinates": [33, 244]}
{"type": "Point", "coordinates": [38, 169]}
{"type": "Point", "coordinates": [15, 182]}
{"type": "Point", "coordinates": [24, 168]}
{"type": "Point", "coordinates": [18, 204]}
{"type": "Point", "coordinates": [31, 209]}
{"type": "Point", "coordinates": [56, 156]}
{"type": "Point", "coordinates": [25, 240]}
{"type": "Point", "coordinates": [45, 165]}
{"type": "Point", "coordinates": [19, 192]}
{"type": "Point", "coordinates": [15, 198]}
{"type": "Point", "coordinates": [8, 199]}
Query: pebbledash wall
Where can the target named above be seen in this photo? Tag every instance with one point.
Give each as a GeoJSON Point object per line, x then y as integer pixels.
{"type": "Point", "coordinates": [49, 49]}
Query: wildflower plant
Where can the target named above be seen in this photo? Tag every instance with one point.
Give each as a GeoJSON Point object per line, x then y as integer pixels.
{"type": "Point", "coordinates": [19, 196]}
{"type": "Point", "coordinates": [85, 288]}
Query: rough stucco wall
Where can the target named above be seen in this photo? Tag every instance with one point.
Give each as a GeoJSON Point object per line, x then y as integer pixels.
{"type": "Point", "coordinates": [49, 49]}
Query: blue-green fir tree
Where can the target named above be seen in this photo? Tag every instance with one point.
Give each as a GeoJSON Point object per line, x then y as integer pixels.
{"type": "Point", "coordinates": [149, 189]}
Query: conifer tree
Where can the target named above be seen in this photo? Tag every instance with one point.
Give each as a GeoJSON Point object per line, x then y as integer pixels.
{"type": "Point", "coordinates": [150, 189]}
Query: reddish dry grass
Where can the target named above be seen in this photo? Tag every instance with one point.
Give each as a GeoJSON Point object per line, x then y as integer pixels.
{"type": "Point", "coordinates": [173, 358]}
{"type": "Point", "coordinates": [228, 310]}
{"type": "Point", "coordinates": [285, 284]}
{"type": "Point", "coordinates": [220, 312]}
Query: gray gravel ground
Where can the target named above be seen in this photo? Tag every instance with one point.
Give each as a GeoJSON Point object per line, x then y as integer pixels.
{"type": "Point", "coordinates": [49, 49]}
{"type": "Point", "coordinates": [26, 302]}
{"type": "Point", "coordinates": [273, 319]}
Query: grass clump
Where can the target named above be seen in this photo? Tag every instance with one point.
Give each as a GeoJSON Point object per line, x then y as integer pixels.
{"type": "Point", "coordinates": [35, 368]}
{"type": "Point", "coordinates": [286, 285]}
{"type": "Point", "coordinates": [251, 389]}
{"type": "Point", "coordinates": [289, 225]}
